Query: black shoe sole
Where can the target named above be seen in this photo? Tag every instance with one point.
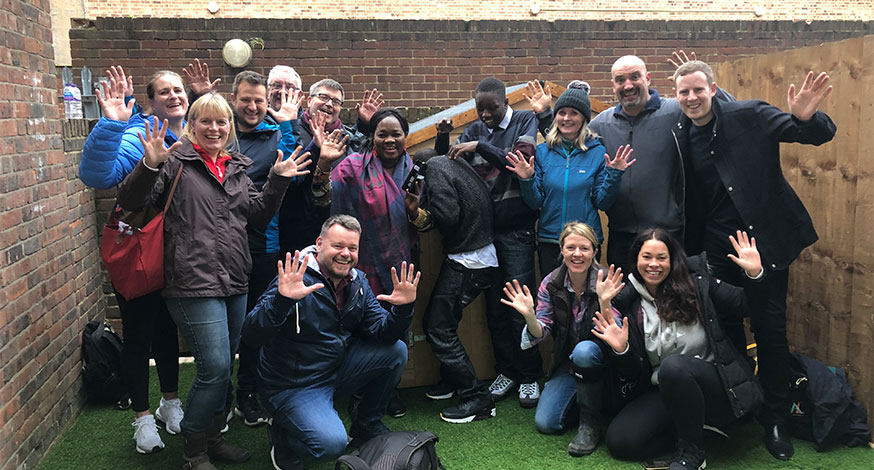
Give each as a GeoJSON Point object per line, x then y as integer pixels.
{"type": "Point", "coordinates": [481, 415]}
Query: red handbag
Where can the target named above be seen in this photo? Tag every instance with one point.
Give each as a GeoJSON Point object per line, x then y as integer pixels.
{"type": "Point", "coordinates": [132, 248]}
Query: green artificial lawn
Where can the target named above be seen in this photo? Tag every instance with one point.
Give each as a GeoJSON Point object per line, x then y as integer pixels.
{"type": "Point", "coordinates": [102, 438]}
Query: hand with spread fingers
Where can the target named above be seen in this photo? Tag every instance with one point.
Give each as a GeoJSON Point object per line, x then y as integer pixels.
{"type": "Point", "coordinates": [110, 96]}
{"type": "Point", "coordinates": [289, 103]}
{"type": "Point", "coordinates": [334, 146]}
{"type": "Point", "coordinates": [522, 167]}
{"type": "Point", "coordinates": [519, 297]}
{"type": "Point", "coordinates": [405, 286]}
{"type": "Point", "coordinates": [117, 72]}
{"type": "Point", "coordinates": [539, 97]}
{"type": "Point", "coordinates": [621, 162]}
{"type": "Point", "coordinates": [197, 76]}
{"type": "Point", "coordinates": [370, 104]}
{"type": "Point", "coordinates": [608, 330]}
{"type": "Point", "coordinates": [609, 284]}
{"type": "Point", "coordinates": [295, 165]}
{"type": "Point", "coordinates": [154, 151]}
{"type": "Point", "coordinates": [679, 58]}
{"type": "Point", "coordinates": [805, 103]}
{"type": "Point", "coordinates": [748, 257]}
{"type": "Point", "coordinates": [290, 281]}
{"type": "Point", "coordinates": [317, 127]}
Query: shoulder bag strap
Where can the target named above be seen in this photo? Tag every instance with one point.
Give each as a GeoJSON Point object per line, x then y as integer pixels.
{"type": "Point", "coordinates": [173, 188]}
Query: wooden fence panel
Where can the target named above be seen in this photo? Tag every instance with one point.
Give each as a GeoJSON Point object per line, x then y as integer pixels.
{"type": "Point", "coordinates": [830, 312]}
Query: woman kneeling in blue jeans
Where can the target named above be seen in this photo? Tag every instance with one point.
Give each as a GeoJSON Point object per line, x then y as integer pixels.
{"type": "Point", "coordinates": [566, 304]}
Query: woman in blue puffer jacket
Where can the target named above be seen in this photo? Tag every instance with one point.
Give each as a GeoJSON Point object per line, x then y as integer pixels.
{"type": "Point", "coordinates": [570, 177]}
{"type": "Point", "coordinates": [111, 151]}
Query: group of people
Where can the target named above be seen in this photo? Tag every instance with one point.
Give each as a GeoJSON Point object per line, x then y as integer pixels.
{"type": "Point", "coordinates": [650, 345]}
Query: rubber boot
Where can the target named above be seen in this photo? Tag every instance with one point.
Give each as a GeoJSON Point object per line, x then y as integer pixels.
{"type": "Point", "coordinates": [194, 452]}
{"type": "Point", "coordinates": [220, 449]}
{"type": "Point", "coordinates": [588, 435]}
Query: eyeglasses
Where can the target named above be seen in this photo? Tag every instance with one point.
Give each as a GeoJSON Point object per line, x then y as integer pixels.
{"type": "Point", "coordinates": [279, 86]}
{"type": "Point", "coordinates": [325, 97]}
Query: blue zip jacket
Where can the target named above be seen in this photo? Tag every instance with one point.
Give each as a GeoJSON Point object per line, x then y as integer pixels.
{"type": "Point", "coordinates": [113, 149]}
{"type": "Point", "coordinates": [303, 342]}
{"type": "Point", "coordinates": [568, 187]}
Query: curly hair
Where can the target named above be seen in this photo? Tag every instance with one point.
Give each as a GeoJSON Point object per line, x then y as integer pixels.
{"type": "Point", "coordinates": [675, 297]}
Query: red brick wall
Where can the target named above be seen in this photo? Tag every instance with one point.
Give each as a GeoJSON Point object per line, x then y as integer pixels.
{"type": "Point", "coordinates": [436, 63]}
{"type": "Point", "coordinates": [49, 270]}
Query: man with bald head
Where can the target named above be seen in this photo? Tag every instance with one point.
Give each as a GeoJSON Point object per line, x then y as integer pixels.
{"type": "Point", "coordinates": [651, 192]}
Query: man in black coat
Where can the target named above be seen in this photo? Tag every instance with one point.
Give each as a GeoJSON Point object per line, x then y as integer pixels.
{"type": "Point", "coordinates": [734, 181]}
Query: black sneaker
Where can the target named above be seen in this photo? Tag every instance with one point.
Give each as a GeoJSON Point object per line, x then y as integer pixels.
{"type": "Point", "coordinates": [281, 455]}
{"type": "Point", "coordinates": [688, 457]}
{"type": "Point", "coordinates": [248, 409]}
{"type": "Point", "coordinates": [440, 391]}
{"type": "Point", "coordinates": [359, 435]}
{"type": "Point", "coordinates": [396, 408]}
{"type": "Point", "coordinates": [470, 410]}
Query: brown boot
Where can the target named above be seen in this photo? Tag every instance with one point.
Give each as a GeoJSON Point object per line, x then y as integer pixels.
{"type": "Point", "coordinates": [219, 448]}
{"type": "Point", "coordinates": [194, 452]}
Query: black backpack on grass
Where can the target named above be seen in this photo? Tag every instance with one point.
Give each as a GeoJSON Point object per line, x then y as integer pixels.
{"type": "Point", "coordinates": [101, 363]}
{"type": "Point", "coordinates": [399, 450]}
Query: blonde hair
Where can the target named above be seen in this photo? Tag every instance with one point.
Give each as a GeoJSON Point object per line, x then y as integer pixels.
{"type": "Point", "coordinates": [211, 104]}
{"type": "Point", "coordinates": [578, 228]}
{"type": "Point", "coordinates": [553, 137]}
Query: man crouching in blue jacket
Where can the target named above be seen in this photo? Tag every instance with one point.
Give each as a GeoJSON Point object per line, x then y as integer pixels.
{"type": "Point", "coordinates": [323, 330]}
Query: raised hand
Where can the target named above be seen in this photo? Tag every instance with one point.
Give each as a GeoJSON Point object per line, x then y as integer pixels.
{"type": "Point", "coordinates": [370, 104]}
{"type": "Point", "coordinates": [609, 284]}
{"type": "Point", "coordinates": [539, 98]}
{"type": "Point", "coordinates": [317, 127]}
{"type": "Point", "coordinates": [519, 297]}
{"type": "Point", "coordinates": [334, 146]}
{"type": "Point", "coordinates": [154, 151]}
{"type": "Point", "coordinates": [117, 73]}
{"type": "Point", "coordinates": [444, 126]}
{"type": "Point", "coordinates": [291, 277]}
{"type": "Point", "coordinates": [197, 76]}
{"type": "Point", "coordinates": [523, 168]}
{"type": "Point", "coordinates": [748, 257]}
{"type": "Point", "coordinates": [458, 150]}
{"type": "Point", "coordinates": [679, 58]}
{"type": "Point", "coordinates": [610, 332]}
{"type": "Point", "coordinates": [289, 103]}
{"type": "Point", "coordinates": [621, 162]}
{"type": "Point", "coordinates": [295, 165]}
{"type": "Point", "coordinates": [813, 91]}
{"type": "Point", "coordinates": [110, 96]}
{"type": "Point", "coordinates": [404, 291]}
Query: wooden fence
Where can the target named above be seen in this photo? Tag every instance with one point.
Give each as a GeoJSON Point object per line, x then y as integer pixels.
{"type": "Point", "coordinates": [830, 312]}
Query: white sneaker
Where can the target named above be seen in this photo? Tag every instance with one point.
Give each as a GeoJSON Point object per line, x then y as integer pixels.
{"type": "Point", "coordinates": [529, 394]}
{"type": "Point", "coordinates": [170, 413]}
{"type": "Point", "coordinates": [146, 435]}
{"type": "Point", "coordinates": [501, 387]}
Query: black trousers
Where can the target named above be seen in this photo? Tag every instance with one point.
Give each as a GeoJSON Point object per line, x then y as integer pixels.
{"type": "Point", "coordinates": [455, 289]}
{"type": "Point", "coordinates": [147, 328]}
{"type": "Point", "coordinates": [767, 298]}
{"type": "Point", "coordinates": [690, 394]}
{"type": "Point", "coordinates": [263, 272]}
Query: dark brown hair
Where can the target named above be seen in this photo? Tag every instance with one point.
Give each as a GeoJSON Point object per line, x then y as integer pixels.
{"type": "Point", "coordinates": [675, 297]}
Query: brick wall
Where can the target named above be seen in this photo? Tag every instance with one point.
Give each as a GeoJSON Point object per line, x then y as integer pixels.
{"type": "Point", "coordinates": [436, 63]}
{"type": "Point", "coordinates": [551, 10]}
{"type": "Point", "coordinates": [49, 269]}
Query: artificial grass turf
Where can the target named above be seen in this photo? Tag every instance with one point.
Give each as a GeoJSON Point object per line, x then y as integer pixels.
{"type": "Point", "coordinates": [102, 438]}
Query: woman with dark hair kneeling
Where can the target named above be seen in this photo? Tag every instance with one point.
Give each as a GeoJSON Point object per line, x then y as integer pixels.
{"type": "Point", "coordinates": [686, 371]}
{"type": "Point", "coordinates": [568, 299]}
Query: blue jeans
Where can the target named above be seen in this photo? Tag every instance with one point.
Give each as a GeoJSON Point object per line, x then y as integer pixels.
{"type": "Point", "coordinates": [306, 416]}
{"type": "Point", "coordinates": [211, 327]}
{"type": "Point", "coordinates": [515, 250]}
{"type": "Point", "coordinates": [557, 405]}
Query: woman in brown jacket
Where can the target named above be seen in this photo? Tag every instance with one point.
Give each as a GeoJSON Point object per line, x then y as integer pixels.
{"type": "Point", "coordinates": [206, 256]}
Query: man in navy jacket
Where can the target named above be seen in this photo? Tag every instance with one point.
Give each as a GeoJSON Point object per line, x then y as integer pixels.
{"type": "Point", "coordinates": [735, 182]}
{"type": "Point", "coordinates": [321, 330]}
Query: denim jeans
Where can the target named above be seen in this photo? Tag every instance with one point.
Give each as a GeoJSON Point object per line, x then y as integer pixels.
{"type": "Point", "coordinates": [515, 250]}
{"type": "Point", "coordinates": [306, 416]}
{"type": "Point", "coordinates": [455, 289]}
{"type": "Point", "coordinates": [211, 327]}
{"type": "Point", "coordinates": [556, 407]}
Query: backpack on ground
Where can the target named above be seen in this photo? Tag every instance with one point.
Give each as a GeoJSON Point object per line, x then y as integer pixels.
{"type": "Point", "coordinates": [101, 363]}
{"type": "Point", "coordinates": [398, 450]}
{"type": "Point", "coordinates": [822, 406]}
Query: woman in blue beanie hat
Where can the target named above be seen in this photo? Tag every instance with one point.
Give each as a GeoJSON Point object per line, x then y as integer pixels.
{"type": "Point", "coordinates": [570, 177]}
